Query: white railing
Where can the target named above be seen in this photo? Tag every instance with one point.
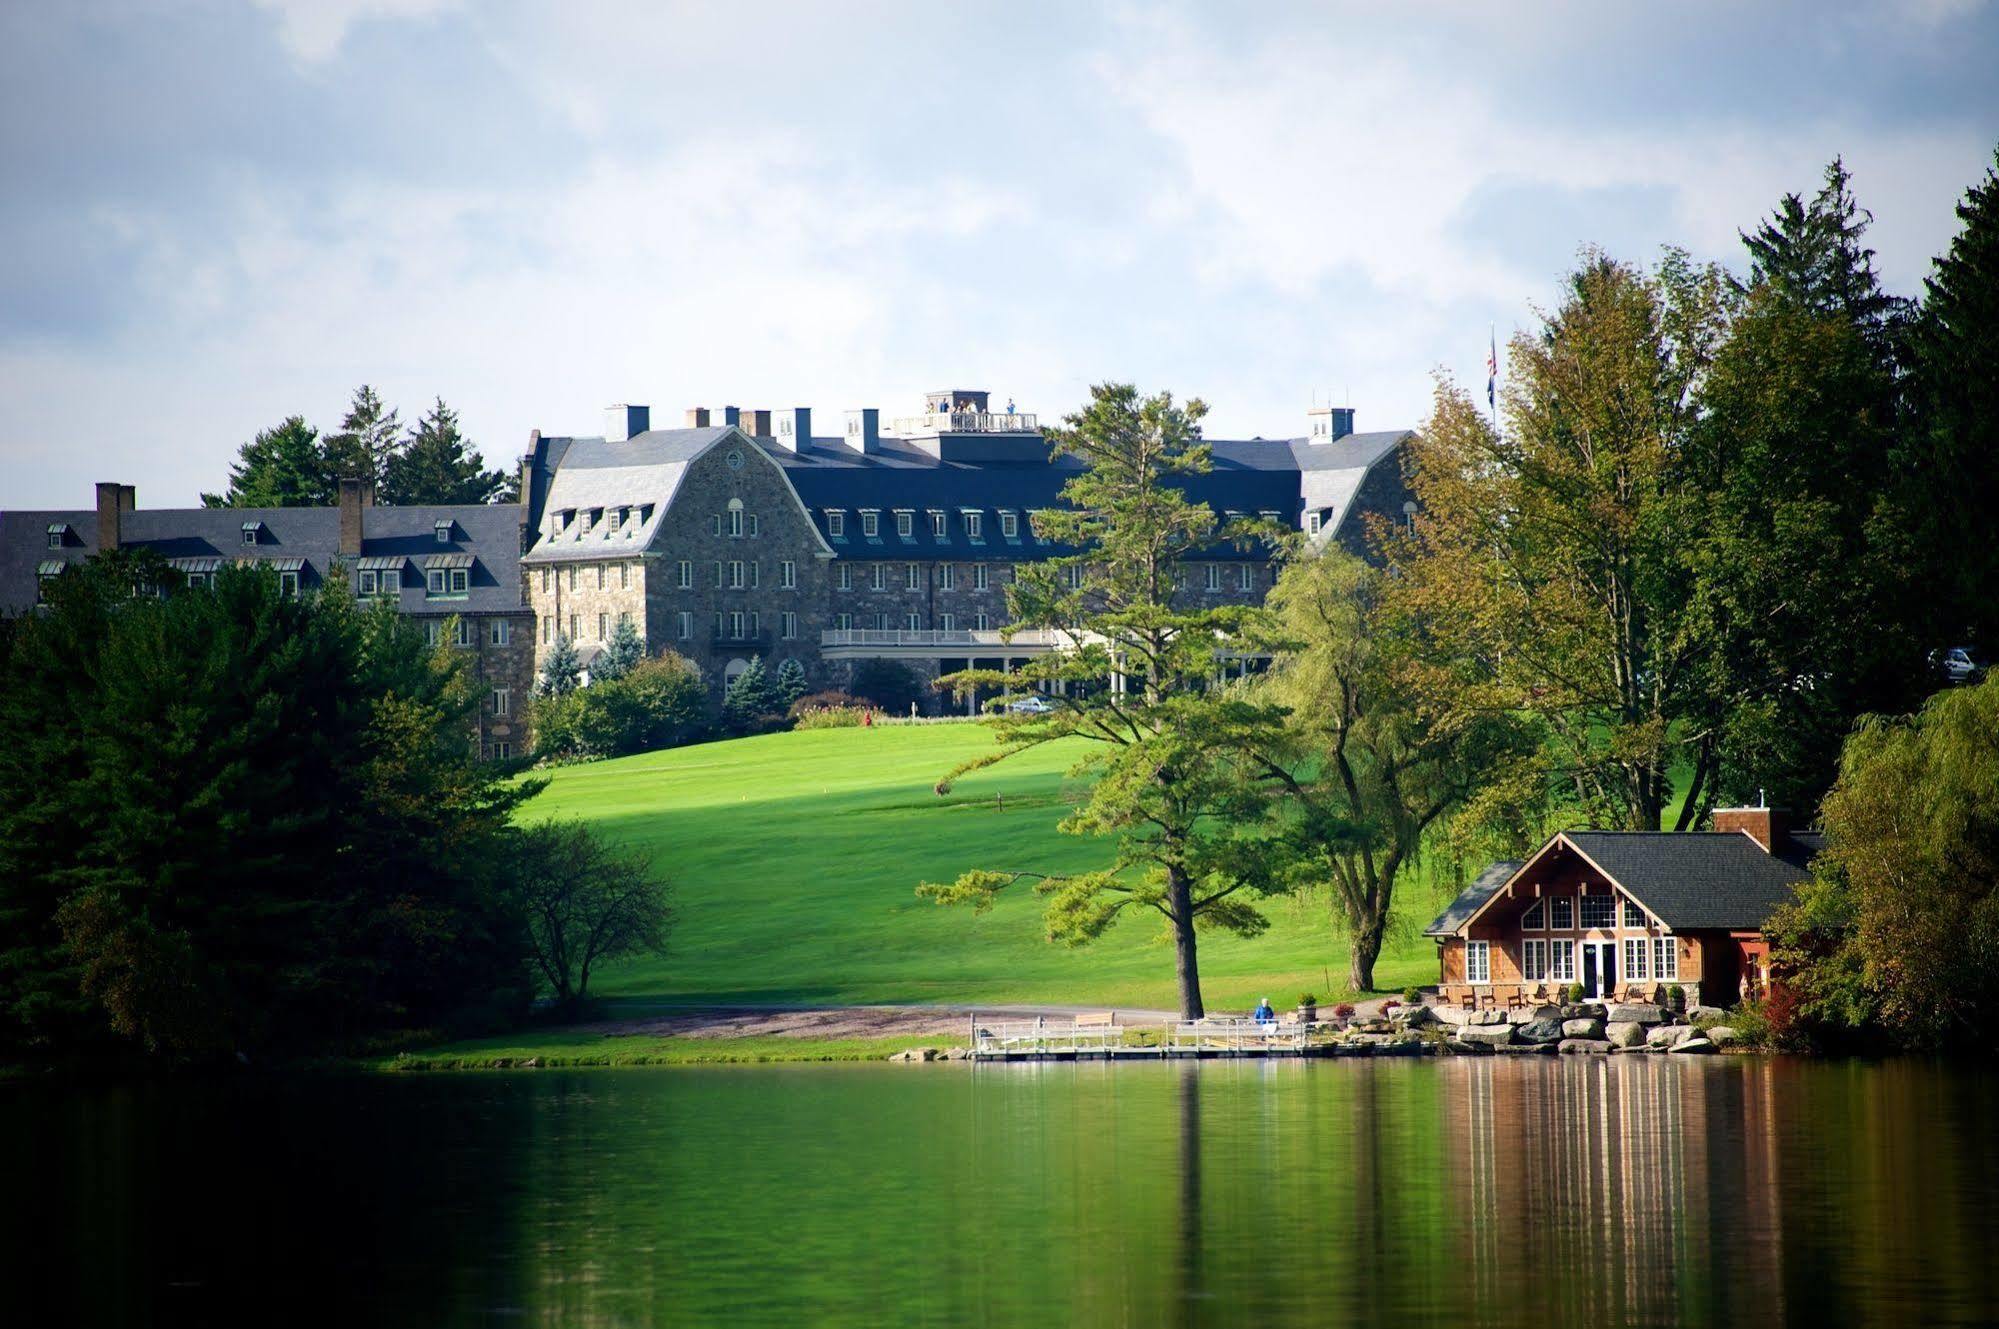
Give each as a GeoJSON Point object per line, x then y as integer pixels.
{"type": "Point", "coordinates": [1027, 641]}
{"type": "Point", "coordinates": [1018, 1036]}
{"type": "Point", "coordinates": [1236, 1035]}
{"type": "Point", "coordinates": [966, 422]}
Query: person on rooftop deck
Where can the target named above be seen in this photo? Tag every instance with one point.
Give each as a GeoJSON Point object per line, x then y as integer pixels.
{"type": "Point", "coordinates": [1264, 1014]}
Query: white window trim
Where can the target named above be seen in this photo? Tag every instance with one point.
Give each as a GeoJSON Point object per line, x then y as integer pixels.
{"type": "Point", "coordinates": [1562, 960]}
{"type": "Point", "coordinates": [1534, 959]}
{"type": "Point", "coordinates": [1478, 962]}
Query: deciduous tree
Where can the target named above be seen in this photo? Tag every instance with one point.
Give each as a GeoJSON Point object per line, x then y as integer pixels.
{"type": "Point", "coordinates": [587, 903]}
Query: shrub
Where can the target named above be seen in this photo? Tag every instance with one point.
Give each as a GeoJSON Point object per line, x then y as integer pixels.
{"type": "Point", "coordinates": [820, 701]}
{"type": "Point", "coordinates": [828, 717]}
{"type": "Point", "coordinates": [753, 704]}
{"type": "Point", "coordinates": [1307, 999]}
{"type": "Point", "coordinates": [1782, 1019]}
{"type": "Point", "coordinates": [657, 703]}
{"type": "Point", "coordinates": [1344, 1010]}
{"type": "Point", "coordinates": [1573, 994]}
{"type": "Point", "coordinates": [891, 686]}
{"type": "Point", "coordinates": [1676, 998]}
{"type": "Point", "coordinates": [1413, 996]}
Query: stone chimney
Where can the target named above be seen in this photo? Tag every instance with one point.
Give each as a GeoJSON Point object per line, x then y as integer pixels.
{"type": "Point", "coordinates": [356, 496]}
{"type": "Point", "coordinates": [697, 417]}
{"type": "Point", "coordinates": [622, 422]}
{"type": "Point", "coordinates": [864, 429]}
{"type": "Point", "coordinates": [1769, 827]}
{"type": "Point", "coordinates": [113, 502]}
{"type": "Point", "coordinates": [756, 424]}
{"type": "Point", "coordinates": [794, 429]}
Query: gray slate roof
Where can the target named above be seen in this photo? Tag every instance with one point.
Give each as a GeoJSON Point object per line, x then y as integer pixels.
{"type": "Point", "coordinates": [1483, 888]}
{"type": "Point", "coordinates": [489, 535]}
{"type": "Point", "coordinates": [592, 474]}
{"type": "Point", "coordinates": [1696, 879]}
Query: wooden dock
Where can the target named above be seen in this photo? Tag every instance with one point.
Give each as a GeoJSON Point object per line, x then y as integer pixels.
{"type": "Point", "coordinates": [1101, 1039]}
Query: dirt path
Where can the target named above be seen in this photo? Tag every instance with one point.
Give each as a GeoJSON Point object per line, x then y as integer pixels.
{"type": "Point", "coordinates": [846, 1021]}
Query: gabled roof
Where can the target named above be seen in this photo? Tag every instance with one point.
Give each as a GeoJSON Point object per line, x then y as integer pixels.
{"type": "Point", "coordinates": [1483, 888]}
{"type": "Point", "coordinates": [595, 474]}
{"type": "Point", "coordinates": [1688, 880]}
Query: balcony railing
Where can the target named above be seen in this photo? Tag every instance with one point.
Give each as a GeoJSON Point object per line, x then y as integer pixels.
{"type": "Point", "coordinates": [1027, 639]}
{"type": "Point", "coordinates": [966, 422]}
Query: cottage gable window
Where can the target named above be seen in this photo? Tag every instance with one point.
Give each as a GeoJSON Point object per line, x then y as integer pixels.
{"type": "Point", "coordinates": [1536, 917]}
{"type": "Point", "coordinates": [370, 584]}
{"type": "Point", "coordinates": [1561, 913]}
{"type": "Point", "coordinates": [443, 532]}
{"type": "Point", "coordinates": [1634, 917]}
{"type": "Point", "coordinates": [1312, 521]}
{"type": "Point", "coordinates": [1599, 911]}
{"type": "Point", "coordinates": [58, 534]}
{"type": "Point", "coordinates": [253, 531]}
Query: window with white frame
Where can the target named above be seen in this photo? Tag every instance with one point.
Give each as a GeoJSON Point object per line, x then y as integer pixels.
{"type": "Point", "coordinates": [1534, 960]}
{"type": "Point", "coordinates": [288, 583]}
{"type": "Point", "coordinates": [877, 578]}
{"type": "Point", "coordinates": [392, 582]}
{"type": "Point", "coordinates": [735, 519]}
{"type": "Point", "coordinates": [576, 627]}
{"type": "Point", "coordinates": [756, 576]}
{"type": "Point", "coordinates": [1562, 961]}
{"type": "Point", "coordinates": [844, 622]}
{"type": "Point", "coordinates": [1214, 576]}
{"type": "Point", "coordinates": [547, 631]}
{"type": "Point", "coordinates": [686, 624]}
{"type": "Point", "coordinates": [1665, 959]}
{"type": "Point", "coordinates": [1535, 917]}
{"type": "Point", "coordinates": [1478, 962]}
{"type": "Point", "coordinates": [737, 580]}
{"type": "Point", "coordinates": [1561, 913]}
{"type": "Point", "coordinates": [1599, 911]}
{"type": "Point", "coordinates": [544, 579]}
{"type": "Point", "coordinates": [870, 522]}
{"type": "Point", "coordinates": [572, 577]}
{"type": "Point", "coordinates": [720, 573]}
{"type": "Point", "coordinates": [947, 622]}
{"type": "Point", "coordinates": [430, 633]}
{"type": "Point", "coordinates": [1010, 525]}
{"type": "Point", "coordinates": [502, 750]}
{"type": "Point", "coordinates": [502, 633]}
{"type": "Point", "coordinates": [1245, 576]}
{"type": "Point", "coordinates": [603, 627]}
{"type": "Point", "coordinates": [836, 525]}
{"type": "Point", "coordinates": [975, 526]}
{"type": "Point", "coordinates": [1072, 576]}
{"type": "Point", "coordinates": [434, 584]}
{"type": "Point", "coordinates": [502, 701]}
{"type": "Point", "coordinates": [715, 523]}
{"type": "Point", "coordinates": [905, 523]}
{"type": "Point", "coordinates": [369, 585]}
{"type": "Point", "coordinates": [912, 577]}
{"type": "Point", "coordinates": [787, 575]}
{"type": "Point", "coordinates": [947, 576]}
{"type": "Point", "coordinates": [983, 623]}
{"type": "Point", "coordinates": [686, 574]}
{"type": "Point", "coordinates": [788, 625]}
{"type": "Point", "coordinates": [845, 578]}
{"type": "Point", "coordinates": [600, 576]}
{"type": "Point", "coordinates": [1637, 959]}
{"type": "Point", "coordinates": [1312, 520]}
{"type": "Point", "coordinates": [937, 519]}
{"type": "Point", "coordinates": [913, 621]}
{"type": "Point", "coordinates": [1634, 917]}
{"type": "Point", "coordinates": [624, 576]}
{"type": "Point", "coordinates": [756, 526]}
{"type": "Point", "coordinates": [981, 576]}
{"type": "Point", "coordinates": [461, 580]}
{"type": "Point", "coordinates": [738, 624]}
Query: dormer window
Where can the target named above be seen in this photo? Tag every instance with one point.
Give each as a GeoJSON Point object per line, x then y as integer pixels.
{"type": "Point", "coordinates": [443, 532]}
{"type": "Point", "coordinates": [1313, 521]}
{"type": "Point", "coordinates": [253, 531]}
{"type": "Point", "coordinates": [975, 525]}
{"type": "Point", "coordinates": [1010, 525]}
{"type": "Point", "coordinates": [870, 523]}
{"type": "Point", "coordinates": [836, 523]}
{"type": "Point", "coordinates": [645, 513]}
{"type": "Point", "coordinates": [905, 522]}
{"type": "Point", "coordinates": [58, 534]}
{"type": "Point", "coordinates": [937, 527]}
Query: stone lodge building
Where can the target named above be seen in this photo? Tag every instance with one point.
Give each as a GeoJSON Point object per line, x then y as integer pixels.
{"type": "Point", "coordinates": [453, 569]}
{"type": "Point", "coordinates": [744, 534]}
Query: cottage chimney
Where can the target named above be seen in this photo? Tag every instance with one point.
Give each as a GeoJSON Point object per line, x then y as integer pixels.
{"type": "Point", "coordinates": [697, 417]}
{"type": "Point", "coordinates": [864, 429]}
{"type": "Point", "coordinates": [622, 422]}
{"type": "Point", "coordinates": [756, 424]}
{"type": "Point", "coordinates": [355, 496]}
{"type": "Point", "coordinates": [794, 429]}
{"type": "Point", "coordinates": [113, 502]}
{"type": "Point", "coordinates": [1769, 827]}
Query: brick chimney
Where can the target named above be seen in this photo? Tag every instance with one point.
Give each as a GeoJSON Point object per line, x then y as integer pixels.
{"type": "Point", "coordinates": [113, 502]}
{"type": "Point", "coordinates": [697, 417]}
{"type": "Point", "coordinates": [1769, 827]}
{"type": "Point", "coordinates": [756, 424]}
{"type": "Point", "coordinates": [355, 497]}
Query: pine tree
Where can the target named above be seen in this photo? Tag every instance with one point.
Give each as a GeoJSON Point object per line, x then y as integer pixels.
{"type": "Point", "coordinates": [283, 467]}
{"type": "Point", "coordinates": [791, 682]}
{"type": "Point", "coordinates": [562, 672]}
{"type": "Point", "coordinates": [751, 697]}
{"type": "Point", "coordinates": [1815, 253]}
{"type": "Point", "coordinates": [438, 465]}
{"type": "Point", "coordinates": [626, 649]}
{"type": "Point", "coordinates": [370, 436]}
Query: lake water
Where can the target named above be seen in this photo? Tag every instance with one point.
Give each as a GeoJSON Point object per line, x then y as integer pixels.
{"type": "Point", "coordinates": [1579, 1191]}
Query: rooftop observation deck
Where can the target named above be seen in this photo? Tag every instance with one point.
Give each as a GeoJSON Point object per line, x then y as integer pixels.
{"type": "Point", "coordinates": [965, 422]}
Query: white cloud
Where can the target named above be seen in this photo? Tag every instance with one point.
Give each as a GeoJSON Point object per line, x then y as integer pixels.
{"type": "Point", "coordinates": [314, 30]}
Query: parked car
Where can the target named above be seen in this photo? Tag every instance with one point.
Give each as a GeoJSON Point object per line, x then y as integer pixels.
{"type": "Point", "coordinates": [1030, 706]}
{"type": "Point", "coordinates": [1959, 666]}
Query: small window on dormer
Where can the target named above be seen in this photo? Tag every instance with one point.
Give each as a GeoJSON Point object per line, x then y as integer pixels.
{"type": "Point", "coordinates": [937, 523]}
{"type": "Point", "coordinates": [645, 513]}
{"type": "Point", "coordinates": [836, 524]}
{"type": "Point", "coordinates": [975, 525]}
{"type": "Point", "coordinates": [58, 534]}
{"type": "Point", "coordinates": [870, 522]}
{"type": "Point", "coordinates": [905, 522]}
{"type": "Point", "coordinates": [252, 531]}
{"type": "Point", "coordinates": [1312, 523]}
{"type": "Point", "coordinates": [1010, 525]}
{"type": "Point", "coordinates": [460, 580]}
{"type": "Point", "coordinates": [443, 530]}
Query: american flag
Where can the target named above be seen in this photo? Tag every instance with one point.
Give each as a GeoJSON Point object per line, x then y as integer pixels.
{"type": "Point", "coordinates": [1492, 371]}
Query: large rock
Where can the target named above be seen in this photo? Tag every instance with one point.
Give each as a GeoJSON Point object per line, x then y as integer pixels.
{"type": "Point", "coordinates": [1450, 1015]}
{"type": "Point", "coordinates": [1578, 1046]}
{"type": "Point", "coordinates": [1486, 1017]}
{"type": "Point", "coordinates": [1667, 1035]}
{"type": "Point", "coordinates": [1540, 1031]}
{"type": "Point", "coordinates": [1415, 1017]}
{"type": "Point", "coordinates": [1637, 1012]}
{"type": "Point", "coordinates": [1722, 1035]}
{"type": "Point", "coordinates": [1625, 1035]}
{"type": "Point", "coordinates": [1695, 1044]}
{"type": "Point", "coordinates": [1695, 1014]}
{"type": "Point", "coordinates": [1529, 1014]}
{"type": "Point", "coordinates": [1490, 1034]}
{"type": "Point", "coordinates": [1582, 1028]}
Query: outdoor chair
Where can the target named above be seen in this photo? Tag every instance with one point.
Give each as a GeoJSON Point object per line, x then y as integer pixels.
{"type": "Point", "coordinates": [1516, 999]}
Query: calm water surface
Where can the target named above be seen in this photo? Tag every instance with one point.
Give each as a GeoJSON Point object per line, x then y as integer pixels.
{"type": "Point", "coordinates": [1461, 1192]}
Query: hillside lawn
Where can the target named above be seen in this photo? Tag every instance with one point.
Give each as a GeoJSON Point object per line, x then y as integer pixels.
{"type": "Point", "coordinates": [795, 859]}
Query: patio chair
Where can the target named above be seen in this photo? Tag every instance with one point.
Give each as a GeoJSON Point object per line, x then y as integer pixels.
{"type": "Point", "coordinates": [1468, 998]}
{"type": "Point", "coordinates": [1516, 998]}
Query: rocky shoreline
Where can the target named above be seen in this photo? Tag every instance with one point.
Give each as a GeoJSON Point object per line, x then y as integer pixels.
{"type": "Point", "coordinates": [1590, 1028]}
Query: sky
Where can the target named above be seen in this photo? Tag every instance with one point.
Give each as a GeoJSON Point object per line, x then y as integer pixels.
{"type": "Point", "coordinates": [215, 215]}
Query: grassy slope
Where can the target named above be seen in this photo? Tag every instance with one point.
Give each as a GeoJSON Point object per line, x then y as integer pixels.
{"type": "Point", "coordinates": [796, 858]}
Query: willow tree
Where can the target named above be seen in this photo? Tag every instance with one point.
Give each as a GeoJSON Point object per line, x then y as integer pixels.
{"type": "Point", "coordinates": [1168, 765]}
{"type": "Point", "coordinates": [1558, 551]}
{"type": "Point", "coordinates": [1369, 770]}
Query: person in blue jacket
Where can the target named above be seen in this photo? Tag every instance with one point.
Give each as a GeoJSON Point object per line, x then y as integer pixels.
{"type": "Point", "coordinates": [1264, 1015]}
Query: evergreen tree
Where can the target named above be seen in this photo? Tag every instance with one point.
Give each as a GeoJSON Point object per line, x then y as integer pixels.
{"type": "Point", "coordinates": [562, 672]}
{"type": "Point", "coordinates": [370, 436]}
{"type": "Point", "coordinates": [751, 697]}
{"type": "Point", "coordinates": [1815, 254]}
{"type": "Point", "coordinates": [438, 465]}
{"type": "Point", "coordinates": [791, 682]}
{"type": "Point", "coordinates": [1169, 754]}
{"type": "Point", "coordinates": [1949, 460]}
{"type": "Point", "coordinates": [625, 649]}
{"type": "Point", "coordinates": [283, 467]}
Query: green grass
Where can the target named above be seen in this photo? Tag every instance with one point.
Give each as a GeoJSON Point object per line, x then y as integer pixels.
{"type": "Point", "coordinates": [558, 1048]}
{"type": "Point", "coordinates": [796, 856]}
